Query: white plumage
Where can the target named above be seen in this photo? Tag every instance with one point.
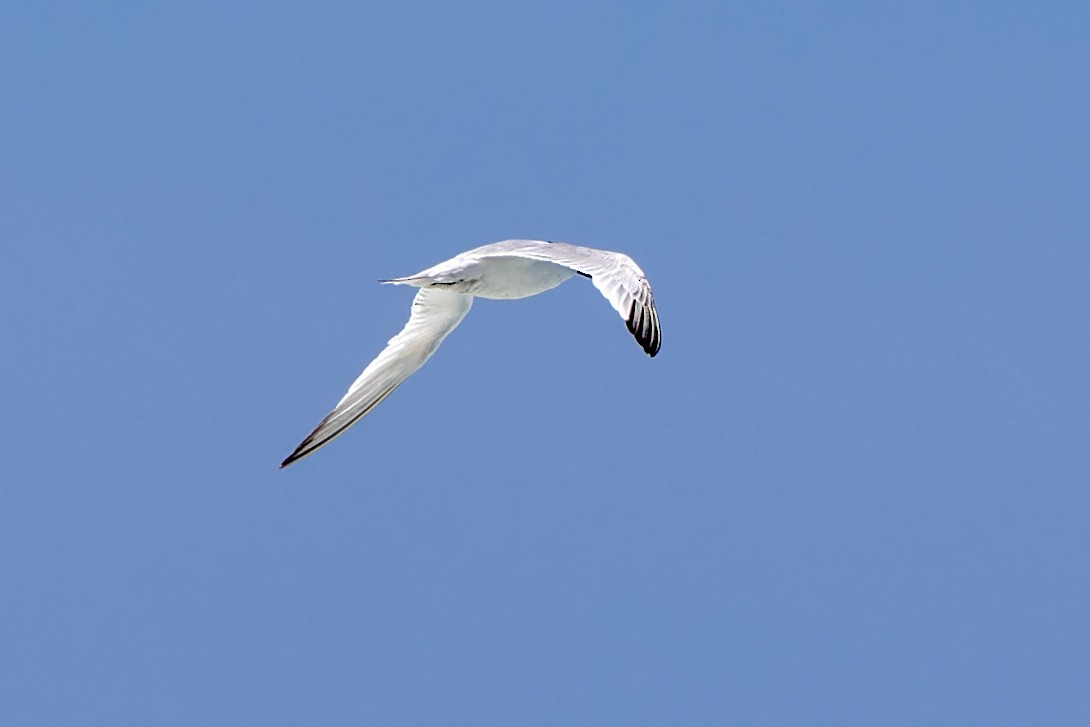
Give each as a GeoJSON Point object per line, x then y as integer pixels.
{"type": "Point", "coordinates": [502, 270]}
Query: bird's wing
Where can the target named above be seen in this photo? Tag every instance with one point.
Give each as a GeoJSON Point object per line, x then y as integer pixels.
{"type": "Point", "coordinates": [435, 313]}
{"type": "Point", "coordinates": [616, 275]}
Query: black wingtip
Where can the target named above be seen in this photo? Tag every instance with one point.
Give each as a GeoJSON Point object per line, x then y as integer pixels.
{"type": "Point", "coordinates": [296, 455]}
{"type": "Point", "coordinates": [643, 325]}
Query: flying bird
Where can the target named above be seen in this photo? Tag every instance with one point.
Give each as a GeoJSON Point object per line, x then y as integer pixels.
{"type": "Point", "coordinates": [505, 271]}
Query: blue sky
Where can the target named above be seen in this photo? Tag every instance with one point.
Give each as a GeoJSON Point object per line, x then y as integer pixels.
{"type": "Point", "coordinates": [851, 490]}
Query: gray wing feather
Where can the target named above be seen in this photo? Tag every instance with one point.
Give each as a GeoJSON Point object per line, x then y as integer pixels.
{"type": "Point", "coordinates": [435, 313]}
{"type": "Point", "coordinates": [615, 275]}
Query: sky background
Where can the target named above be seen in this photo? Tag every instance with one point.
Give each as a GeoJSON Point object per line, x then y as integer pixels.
{"type": "Point", "coordinates": [851, 490]}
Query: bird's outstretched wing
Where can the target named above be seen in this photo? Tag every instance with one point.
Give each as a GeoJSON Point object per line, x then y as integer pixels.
{"type": "Point", "coordinates": [616, 275]}
{"type": "Point", "coordinates": [435, 313]}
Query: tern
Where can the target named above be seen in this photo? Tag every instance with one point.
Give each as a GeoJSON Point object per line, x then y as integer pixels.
{"type": "Point", "coordinates": [504, 271]}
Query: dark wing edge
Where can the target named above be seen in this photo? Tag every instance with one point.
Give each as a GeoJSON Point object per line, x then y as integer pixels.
{"type": "Point", "coordinates": [327, 430]}
{"type": "Point", "coordinates": [643, 323]}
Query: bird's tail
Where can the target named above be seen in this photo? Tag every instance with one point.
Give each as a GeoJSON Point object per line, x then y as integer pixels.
{"type": "Point", "coordinates": [417, 280]}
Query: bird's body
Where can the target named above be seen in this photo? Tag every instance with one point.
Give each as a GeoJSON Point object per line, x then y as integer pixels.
{"type": "Point", "coordinates": [505, 271]}
{"type": "Point", "coordinates": [499, 278]}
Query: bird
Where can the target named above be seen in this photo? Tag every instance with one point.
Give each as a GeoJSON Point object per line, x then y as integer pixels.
{"type": "Point", "coordinates": [504, 271]}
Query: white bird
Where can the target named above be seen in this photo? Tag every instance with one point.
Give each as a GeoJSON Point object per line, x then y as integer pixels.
{"type": "Point", "coordinates": [503, 270]}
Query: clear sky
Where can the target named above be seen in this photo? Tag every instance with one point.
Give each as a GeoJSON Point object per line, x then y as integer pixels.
{"type": "Point", "coordinates": [851, 490]}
